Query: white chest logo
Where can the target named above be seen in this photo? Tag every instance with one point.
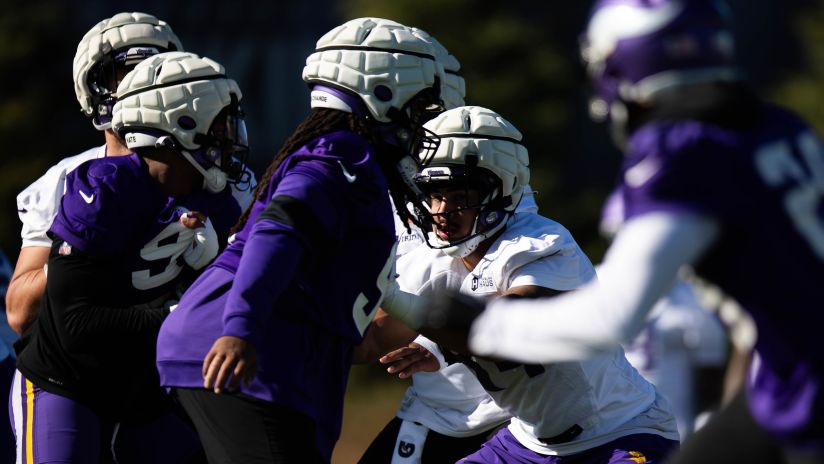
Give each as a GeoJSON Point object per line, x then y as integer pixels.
{"type": "Point", "coordinates": [482, 284]}
{"type": "Point", "coordinates": [87, 198]}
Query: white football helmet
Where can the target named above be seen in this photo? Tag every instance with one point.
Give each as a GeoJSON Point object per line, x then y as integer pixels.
{"type": "Point", "coordinates": [453, 86]}
{"type": "Point", "coordinates": [479, 149]}
{"type": "Point", "coordinates": [126, 38]}
{"type": "Point", "coordinates": [187, 102]}
{"type": "Point", "coordinates": [381, 61]}
{"type": "Point", "coordinates": [391, 77]}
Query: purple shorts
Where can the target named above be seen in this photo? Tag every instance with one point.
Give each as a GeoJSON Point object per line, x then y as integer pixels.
{"type": "Point", "coordinates": [50, 428]}
{"type": "Point", "coordinates": [503, 448]}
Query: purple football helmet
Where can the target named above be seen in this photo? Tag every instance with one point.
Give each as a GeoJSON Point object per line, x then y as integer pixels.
{"type": "Point", "coordinates": [636, 49]}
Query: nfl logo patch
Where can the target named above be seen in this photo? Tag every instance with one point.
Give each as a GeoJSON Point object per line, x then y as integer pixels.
{"type": "Point", "coordinates": [65, 249]}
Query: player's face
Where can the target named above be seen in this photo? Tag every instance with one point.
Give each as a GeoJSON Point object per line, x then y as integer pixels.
{"type": "Point", "coordinates": [454, 212]}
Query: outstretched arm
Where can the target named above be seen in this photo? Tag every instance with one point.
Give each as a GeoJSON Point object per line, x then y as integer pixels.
{"type": "Point", "coordinates": [639, 268]}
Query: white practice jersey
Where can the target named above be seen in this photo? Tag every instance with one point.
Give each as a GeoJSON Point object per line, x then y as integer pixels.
{"type": "Point", "coordinates": [451, 401]}
{"type": "Point", "coordinates": [557, 409]}
{"type": "Point", "coordinates": [37, 204]}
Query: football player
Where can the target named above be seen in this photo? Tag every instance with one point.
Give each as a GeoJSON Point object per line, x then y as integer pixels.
{"type": "Point", "coordinates": [445, 415]}
{"type": "Point", "coordinates": [452, 414]}
{"type": "Point", "coordinates": [267, 327]}
{"type": "Point", "coordinates": [599, 410]}
{"type": "Point", "coordinates": [715, 178]}
{"type": "Point", "coordinates": [105, 54]}
{"type": "Point", "coordinates": [129, 230]}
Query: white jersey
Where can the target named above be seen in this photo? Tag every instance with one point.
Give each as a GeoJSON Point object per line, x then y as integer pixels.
{"type": "Point", "coordinates": [451, 401]}
{"type": "Point", "coordinates": [37, 204]}
{"type": "Point", "coordinates": [557, 409]}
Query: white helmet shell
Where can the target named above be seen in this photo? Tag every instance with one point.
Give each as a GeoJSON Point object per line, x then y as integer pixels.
{"type": "Point", "coordinates": [474, 130]}
{"type": "Point", "coordinates": [177, 93]}
{"type": "Point", "coordinates": [120, 31]}
{"type": "Point", "coordinates": [453, 86]}
{"type": "Point", "coordinates": [381, 61]}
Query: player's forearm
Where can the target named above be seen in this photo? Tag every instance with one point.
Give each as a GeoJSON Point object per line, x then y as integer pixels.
{"type": "Point", "coordinates": [405, 307]}
{"type": "Point", "coordinates": [23, 298]}
{"type": "Point", "coordinates": [385, 334]}
{"type": "Point", "coordinates": [26, 288]}
{"type": "Point", "coordinates": [270, 259]}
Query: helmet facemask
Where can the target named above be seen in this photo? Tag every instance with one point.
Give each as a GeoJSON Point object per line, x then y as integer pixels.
{"type": "Point", "coordinates": [225, 147]}
{"type": "Point", "coordinates": [104, 77]}
{"type": "Point", "coordinates": [414, 144]}
{"type": "Point", "coordinates": [186, 102]}
{"type": "Point", "coordinates": [454, 194]}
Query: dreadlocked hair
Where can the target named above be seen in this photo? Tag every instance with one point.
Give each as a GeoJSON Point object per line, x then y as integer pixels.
{"type": "Point", "coordinates": [323, 121]}
{"type": "Point", "coordinates": [320, 121]}
{"type": "Point", "coordinates": [399, 191]}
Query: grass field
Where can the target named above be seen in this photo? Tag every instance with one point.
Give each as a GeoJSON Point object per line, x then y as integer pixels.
{"type": "Point", "coordinates": [372, 397]}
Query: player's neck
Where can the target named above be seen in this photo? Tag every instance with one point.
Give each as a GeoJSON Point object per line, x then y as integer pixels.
{"type": "Point", "coordinates": [475, 257]}
{"type": "Point", "coordinates": [115, 146]}
{"type": "Point", "coordinates": [172, 172]}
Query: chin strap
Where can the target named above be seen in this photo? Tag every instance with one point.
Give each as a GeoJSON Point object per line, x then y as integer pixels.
{"type": "Point", "coordinates": [214, 180]}
{"type": "Point", "coordinates": [464, 249]}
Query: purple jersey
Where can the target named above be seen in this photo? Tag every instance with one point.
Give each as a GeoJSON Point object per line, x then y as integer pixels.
{"type": "Point", "coordinates": [763, 184]}
{"type": "Point", "coordinates": [301, 282]}
{"type": "Point", "coordinates": [112, 207]}
{"type": "Point", "coordinates": [115, 256]}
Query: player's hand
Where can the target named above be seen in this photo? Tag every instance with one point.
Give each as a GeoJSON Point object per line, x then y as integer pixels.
{"type": "Point", "coordinates": [410, 360]}
{"type": "Point", "coordinates": [204, 244]}
{"type": "Point", "coordinates": [449, 317]}
{"type": "Point", "coordinates": [231, 359]}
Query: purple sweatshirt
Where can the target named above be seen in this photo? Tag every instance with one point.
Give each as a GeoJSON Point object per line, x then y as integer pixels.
{"type": "Point", "coordinates": [300, 282]}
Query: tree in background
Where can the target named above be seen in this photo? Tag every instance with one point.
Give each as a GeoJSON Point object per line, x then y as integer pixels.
{"type": "Point", "coordinates": [519, 57]}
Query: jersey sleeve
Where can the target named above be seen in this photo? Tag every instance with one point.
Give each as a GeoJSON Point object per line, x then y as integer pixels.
{"type": "Point", "coordinates": [563, 271]}
{"type": "Point", "coordinates": [103, 207]}
{"type": "Point", "coordinates": [74, 281]}
{"type": "Point", "coordinates": [38, 203]}
{"type": "Point", "coordinates": [305, 211]}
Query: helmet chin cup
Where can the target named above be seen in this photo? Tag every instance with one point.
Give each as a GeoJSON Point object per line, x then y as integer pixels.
{"type": "Point", "coordinates": [214, 180]}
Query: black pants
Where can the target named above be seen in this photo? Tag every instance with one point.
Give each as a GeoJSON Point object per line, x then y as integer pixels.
{"type": "Point", "coordinates": [439, 448]}
{"type": "Point", "coordinates": [238, 429]}
{"type": "Point", "coordinates": [733, 437]}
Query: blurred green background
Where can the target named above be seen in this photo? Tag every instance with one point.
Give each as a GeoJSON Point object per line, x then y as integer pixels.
{"type": "Point", "coordinates": [519, 58]}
